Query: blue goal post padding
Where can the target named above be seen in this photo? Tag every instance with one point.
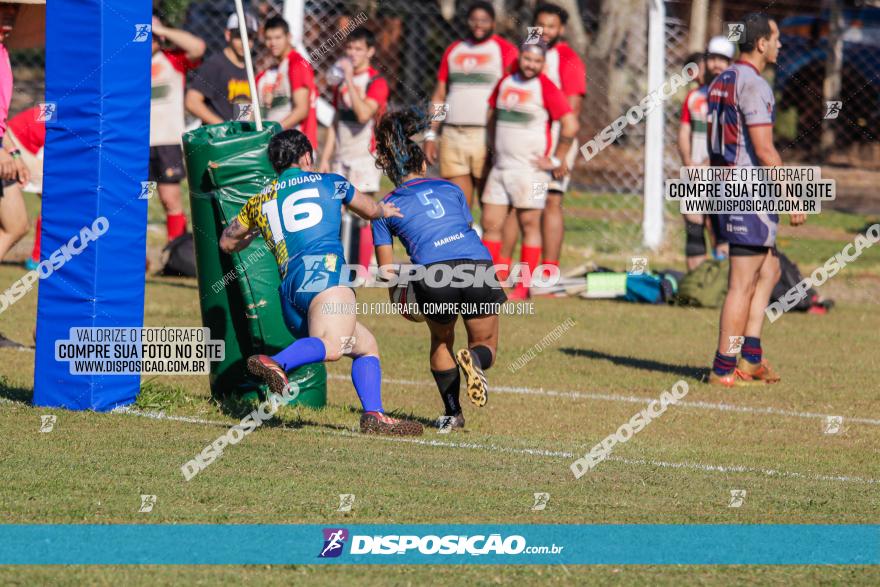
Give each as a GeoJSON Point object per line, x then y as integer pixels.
{"type": "Point", "coordinates": [97, 113]}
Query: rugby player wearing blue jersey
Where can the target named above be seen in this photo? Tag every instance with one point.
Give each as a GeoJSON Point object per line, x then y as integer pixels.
{"type": "Point", "coordinates": [299, 215]}
{"type": "Point", "coordinates": [435, 229]}
{"type": "Point", "coordinates": [740, 119]}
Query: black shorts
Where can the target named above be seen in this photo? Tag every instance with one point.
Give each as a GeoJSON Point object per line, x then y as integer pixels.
{"type": "Point", "coordinates": [749, 250]}
{"type": "Point", "coordinates": [166, 164]}
{"type": "Point", "coordinates": [443, 303]}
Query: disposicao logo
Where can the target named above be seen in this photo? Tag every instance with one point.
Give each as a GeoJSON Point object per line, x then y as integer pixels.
{"type": "Point", "coordinates": [334, 541]}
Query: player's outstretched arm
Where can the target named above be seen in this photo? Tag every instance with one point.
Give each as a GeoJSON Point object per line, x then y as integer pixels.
{"type": "Point", "coordinates": [369, 209]}
{"type": "Point", "coordinates": [236, 237]}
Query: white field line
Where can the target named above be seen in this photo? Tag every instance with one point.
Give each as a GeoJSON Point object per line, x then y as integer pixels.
{"type": "Point", "coordinates": [553, 454]}
{"type": "Point", "coordinates": [721, 407]}
{"type": "Point", "coordinates": [523, 451]}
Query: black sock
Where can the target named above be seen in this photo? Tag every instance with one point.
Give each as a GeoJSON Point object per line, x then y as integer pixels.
{"type": "Point", "coordinates": [695, 243]}
{"type": "Point", "coordinates": [483, 356]}
{"type": "Point", "coordinates": [448, 383]}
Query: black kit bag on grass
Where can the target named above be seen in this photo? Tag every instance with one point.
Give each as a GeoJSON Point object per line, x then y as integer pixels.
{"type": "Point", "coordinates": [179, 257]}
{"type": "Point", "coordinates": [790, 277]}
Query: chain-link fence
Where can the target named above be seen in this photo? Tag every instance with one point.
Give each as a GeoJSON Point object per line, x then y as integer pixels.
{"type": "Point", "coordinates": [611, 37]}
{"type": "Point", "coordinates": [411, 38]}
{"type": "Point", "coordinates": [842, 130]}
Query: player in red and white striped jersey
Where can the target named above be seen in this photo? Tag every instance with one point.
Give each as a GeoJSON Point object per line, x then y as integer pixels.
{"type": "Point", "coordinates": [468, 72]}
{"type": "Point", "coordinates": [522, 108]}
{"type": "Point", "coordinates": [287, 90]}
{"type": "Point", "coordinates": [567, 71]}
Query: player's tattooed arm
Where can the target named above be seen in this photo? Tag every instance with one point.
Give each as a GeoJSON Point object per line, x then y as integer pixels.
{"type": "Point", "coordinates": [369, 209]}
{"type": "Point", "coordinates": [236, 236]}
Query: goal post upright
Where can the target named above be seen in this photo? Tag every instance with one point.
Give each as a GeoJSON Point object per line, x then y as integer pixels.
{"type": "Point", "coordinates": [652, 220]}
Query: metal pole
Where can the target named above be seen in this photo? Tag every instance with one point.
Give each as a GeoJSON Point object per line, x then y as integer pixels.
{"type": "Point", "coordinates": [652, 222]}
{"type": "Point", "coordinates": [248, 66]}
{"type": "Point", "coordinates": [294, 14]}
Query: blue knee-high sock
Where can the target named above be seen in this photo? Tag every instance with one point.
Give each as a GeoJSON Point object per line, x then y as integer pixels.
{"type": "Point", "coordinates": [302, 352]}
{"type": "Point", "coordinates": [366, 374]}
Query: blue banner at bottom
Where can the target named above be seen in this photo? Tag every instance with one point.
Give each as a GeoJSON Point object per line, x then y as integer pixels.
{"type": "Point", "coordinates": [275, 544]}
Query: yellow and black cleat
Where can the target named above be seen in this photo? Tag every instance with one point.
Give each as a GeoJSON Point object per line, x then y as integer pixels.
{"type": "Point", "coordinates": [475, 380]}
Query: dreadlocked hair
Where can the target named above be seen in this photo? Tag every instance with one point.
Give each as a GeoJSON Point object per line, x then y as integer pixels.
{"type": "Point", "coordinates": [396, 153]}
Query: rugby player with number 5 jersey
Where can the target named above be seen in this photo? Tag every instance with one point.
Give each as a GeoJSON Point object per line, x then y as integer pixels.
{"type": "Point", "coordinates": [436, 230]}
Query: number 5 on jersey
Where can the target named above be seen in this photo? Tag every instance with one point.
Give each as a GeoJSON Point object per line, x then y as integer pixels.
{"type": "Point", "coordinates": [437, 210]}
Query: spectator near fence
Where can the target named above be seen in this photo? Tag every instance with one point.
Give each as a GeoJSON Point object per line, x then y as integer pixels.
{"type": "Point", "coordinates": [567, 71]}
{"type": "Point", "coordinates": [219, 89]}
{"type": "Point", "coordinates": [287, 89]}
{"type": "Point", "coordinates": [693, 147]}
{"type": "Point", "coordinates": [26, 135]}
{"type": "Point", "coordinates": [469, 70]}
{"type": "Point", "coordinates": [522, 107]}
{"type": "Point", "coordinates": [175, 52]}
{"type": "Point", "coordinates": [350, 146]}
{"type": "Point", "coordinates": [13, 172]}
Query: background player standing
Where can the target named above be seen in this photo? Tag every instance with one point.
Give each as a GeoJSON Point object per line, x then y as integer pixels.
{"type": "Point", "coordinates": [469, 70]}
{"type": "Point", "coordinates": [25, 138]}
{"type": "Point", "coordinates": [13, 214]}
{"type": "Point", "coordinates": [436, 231]}
{"type": "Point", "coordinates": [694, 149]}
{"type": "Point", "coordinates": [219, 88]}
{"type": "Point", "coordinates": [167, 79]}
{"type": "Point", "coordinates": [564, 68]}
{"type": "Point", "coordinates": [521, 110]}
{"type": "Point", "coordinates": [299, 216]}
{"type": "Point", "coordinates": [740, 126]}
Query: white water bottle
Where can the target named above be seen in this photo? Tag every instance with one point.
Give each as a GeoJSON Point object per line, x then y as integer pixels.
{"type": "Point", "coordinates": [335, 75]}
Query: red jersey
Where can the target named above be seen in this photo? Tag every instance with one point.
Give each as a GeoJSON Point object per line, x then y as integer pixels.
{"type": "Point", "coordinates": [276, 85]}
{"type": "Point", "coordinates": [354, 139]}
{"type": "Point", "coordinates": [470, 71]}
{"type": "Point", "coordinates": [524, 111]}
{"type": "Point", "coordinates": [30, 132]}
{"type": "Point", "coordinates": [565, 69]}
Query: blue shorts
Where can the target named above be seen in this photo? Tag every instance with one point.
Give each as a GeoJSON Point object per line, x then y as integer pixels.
{"type": "Point", "coordinates": [756, 230]}
{"type": "Point", "coordinates": [307, 276]}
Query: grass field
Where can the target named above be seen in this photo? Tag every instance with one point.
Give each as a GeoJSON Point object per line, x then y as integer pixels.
{"type": "Point", "coordinates": [769, 442]}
